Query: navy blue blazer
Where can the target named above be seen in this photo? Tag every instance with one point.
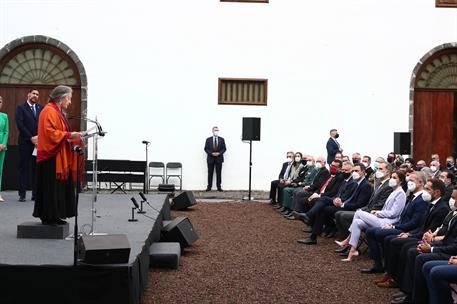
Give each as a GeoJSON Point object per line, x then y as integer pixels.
{"type": "Point", "coordinates": [412, 215]}
{"type": "Point", "coordinates": [332, 149]}
{"type": "Point", "coordinates": [346, 190]}
{"type": "Point", "coordinates": [209, 148]}
{"type": "Point", "coordinates": [26, 122]}
{"type": "Point", "coordinates": [360, 197]}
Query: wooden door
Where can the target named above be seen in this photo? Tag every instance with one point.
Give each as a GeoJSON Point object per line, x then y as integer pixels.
{"type": "Point", "coordinates": [433, 124]}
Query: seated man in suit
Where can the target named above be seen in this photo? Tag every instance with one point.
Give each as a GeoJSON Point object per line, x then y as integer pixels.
{"type": "Point", "coordinates": [353, 195]}
{"type": "Point", "coordinates": [343, 219]}
{"type": "Point", "coordinates": [283, 175]}
{"type": "Point", "coordinates": [412, 283]}
{"type": "Point", "coordinates": [396, 247]}
{"type": "Point", "coordinates": [322, 175]}
{"type": "Point", "coordinates": [439, 274]}
{"type": "Point", "coordinates": [411, 218]}
{"type": "Point", "coordinates": [448, 179]}
{"type": "Point", "coordinates": [304, 200]}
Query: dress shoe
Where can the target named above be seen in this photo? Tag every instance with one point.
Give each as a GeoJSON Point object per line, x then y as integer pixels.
{"type": "Point", "coordinates": [372, 270]}
{"type": "Point", "coordinates": [286, 212]}
{"type": "Point", "coordinates": [307, 241]}
{"type": "Point", "coordinates": [49, 222]}
{"type": "Point", "coordinates": [301, 216]}
{"type": "Point", "coordinates": [382, 279]}
{"type": "Point", "coordinates": [33, 198]}
{"type": "Point", "coordinates": [308, 229]}
{"type": "Point", "coordinates": [402, 300]}
{"type": "Point", "coordinates": [277, 206]}
{"type": "Point", "coordinates": [330, 234]}
{"type": "Point", "coordinates": [399, 294]}
{"type": "Point", "coordinates": [208, 189]}
{"type": "Point", "coordinates": [290, 217]}
{"type": "Point", "coordinates": [220, 190]}
{"type": "Point", "coordinates": [345, 253]}
{"type": "Point", "coordinates": [22, 199]}
{"type": "Point", "coordinates": [390, 283]}
{"type": "Point", "coordinates": [281, 210]}
{"type": "Point", "coordinates": [344, 249]}
{"type": "Point", "coordinates": [60, 221]}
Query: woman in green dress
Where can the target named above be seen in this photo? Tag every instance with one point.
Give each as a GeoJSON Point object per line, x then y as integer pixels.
{"type": "Point", "coordinates": [3, 141]}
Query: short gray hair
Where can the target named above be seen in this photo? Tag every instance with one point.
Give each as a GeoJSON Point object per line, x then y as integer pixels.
{"type": "Point", "coordinates": [59, 92]}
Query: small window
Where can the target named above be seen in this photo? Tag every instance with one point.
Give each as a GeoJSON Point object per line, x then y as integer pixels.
{"type": "Point", "coordinates": [241, 91]}
{"type": "Point", "coordinates": [446, 3]}
{"type": "Point", "coordinates": [254, 1]}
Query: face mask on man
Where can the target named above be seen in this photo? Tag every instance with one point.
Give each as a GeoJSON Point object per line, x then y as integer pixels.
{"type": "Point", "coordinates": [426, 196]}
{"type": "Point", "coordinates": [433, 168]}
{"type": "Point", "coordinates": [346, 175]}
{"type": "Point", "coordinates": [355, 175]}
{"type": "Point", "coordinates": [309, 163]}
{"type": "Point", "coordinates": [365, 164]}
{"type": "Point", "coordinates": [390, 159]}
{"type": "Point", "coordinates": [452, 204]}
{"type": "Point", "coordinates": [337, 135]}
{"type": "Point", "coordinates": [216, 133]}
{"type": "Point", "coordinates": [318, 165]}
{"type": "Point", "coordinates": [411, 186]}
{"type": "Point", "coordinates": [355, 161]}
{"type": "Point", "coordinates": [450, 165]}
{"type": "Point", "coordinates": [289, 159]}
{"type": "Point", "coordinates": [379, 174]}
{"type": "Point", "coordinates": [333, 170]}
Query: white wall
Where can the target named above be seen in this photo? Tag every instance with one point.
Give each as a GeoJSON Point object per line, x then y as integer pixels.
{"type": "Point", "coordinates": [153, 65]}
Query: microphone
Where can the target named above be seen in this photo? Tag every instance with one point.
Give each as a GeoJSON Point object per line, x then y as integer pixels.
{"type": "Point", "coordinates": [135, 203]}
{"type": "Point", "coordinates": [143, 197]}
{"type": "Point", "coordinates": [145, 142]}
{"type": "Point", "coordinates": [76, 149]}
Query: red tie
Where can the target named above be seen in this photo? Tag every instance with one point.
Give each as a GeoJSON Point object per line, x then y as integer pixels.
{"type": "Point", "coordinates": [325, 185]}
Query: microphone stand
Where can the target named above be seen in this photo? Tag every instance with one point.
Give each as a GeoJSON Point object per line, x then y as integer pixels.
{"type": "Point", "coordinates": [75, 232]}
{"type": "Point", "coordinates": [146, 169]}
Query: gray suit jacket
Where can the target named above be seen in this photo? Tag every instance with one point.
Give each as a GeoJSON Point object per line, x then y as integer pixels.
{"type": "Point", "coordinates": [378, 198]}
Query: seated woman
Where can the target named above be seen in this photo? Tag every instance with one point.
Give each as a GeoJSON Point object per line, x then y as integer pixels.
{"type": "Point", "coordinates": [389, 214]}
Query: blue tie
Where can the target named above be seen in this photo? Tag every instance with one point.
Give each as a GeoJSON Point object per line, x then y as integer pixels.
{"type": "Point", "coordinates": [33, 110]}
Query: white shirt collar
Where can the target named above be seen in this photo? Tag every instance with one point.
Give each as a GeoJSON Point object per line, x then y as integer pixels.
{"type": "Point", "coordinates": [417, 194]}
{"type": "Point", "coordinates": [434, 202]}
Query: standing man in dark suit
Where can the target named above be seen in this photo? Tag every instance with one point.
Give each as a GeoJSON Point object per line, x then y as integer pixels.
{"type": "Point", "coordinates": [333, 146]}
{"type": "Point", "coordinates": [27, 122]}
{"type": "Point", "coordinates": [215, 149]}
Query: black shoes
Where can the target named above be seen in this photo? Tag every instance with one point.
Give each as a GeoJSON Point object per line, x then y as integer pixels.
{"type": "Point", "coordinates": [308, 229]}
{"type": "Point", "coordinates": [208, 189]}
{"type": "Point", "coordinates": [22, 199]}
{"type": "Point", "coordinates": [220, 189]}
{"type": "Point", "coordinates": [301, 216]}
{"type": "Point", "coordinates": [60, 221]}
{"type": "Point", "coordinates": [373, 269]}
{"type": "Point", "coordinates": [345, 249]}
{"type": "Point", "coordinates": [307, 241]}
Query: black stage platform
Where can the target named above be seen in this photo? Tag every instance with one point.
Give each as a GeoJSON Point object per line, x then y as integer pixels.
{"type": "Point", "coordinates": [41, 270]}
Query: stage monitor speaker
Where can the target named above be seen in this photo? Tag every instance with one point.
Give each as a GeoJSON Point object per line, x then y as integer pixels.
{"type": "Point", "coordinates": [179, 230]}
{"type": "Point", "coordinates": [104, 249]}
{"type": "Point", "coordinates": [166, 188]}
{"type": "Point", "coordinates": [183, 201]}
{"type": "Point", "coordinates": [402, 143]}
{"type": "Point", "coordinates": [251, 128]}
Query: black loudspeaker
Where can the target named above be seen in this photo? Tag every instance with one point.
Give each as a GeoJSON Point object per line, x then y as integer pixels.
{"type": "Point", "coordinates": [402, 143]}
{"type": "Point", "coordinates": [179, 230]}
{"type": "Point", "coordinates": [251, 128]}
{"type": "Point", "coordinates": [104, 249]}
{"type": "Point", "coordinates": [166, 188]}
{"type": "Point", "coordinates": [183, 201]}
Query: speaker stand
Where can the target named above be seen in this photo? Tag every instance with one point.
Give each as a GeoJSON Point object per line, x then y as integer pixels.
{"type": "Point", "coordinates": [249, 197]}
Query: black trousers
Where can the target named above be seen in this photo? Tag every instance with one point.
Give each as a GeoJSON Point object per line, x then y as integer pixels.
{"type": "Point", "coordinates": [27, 164]}
{"type": "Point", "coordinates": [211, 166]}
{"type": "Point", "coordinates": [274, 190]}
{"type": "Point", "coordinates": [396, 255]}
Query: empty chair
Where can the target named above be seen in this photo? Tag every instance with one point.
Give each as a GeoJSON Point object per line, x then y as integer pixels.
{"type": "Point", "coordinates": [156, 169]}
{"type": "Point", "coordinates": [175, 170]}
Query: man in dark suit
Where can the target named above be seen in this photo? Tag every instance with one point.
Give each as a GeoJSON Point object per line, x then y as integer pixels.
{"type": "Point", "coordinates": [27, 122]}
{"type": "Point", "coordinates": [283, 175]}
{"type": "Point", "coordinates": [332, 146]}
{"type": "Point", "coordinates": [380, 194]}
{"type": "Point", "coordinates": [215, 149]}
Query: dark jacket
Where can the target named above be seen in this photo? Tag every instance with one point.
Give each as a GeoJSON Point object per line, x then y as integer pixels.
{"type": "Point", "coordinates": [319, 180]}
{"type": "Point", "coordinates": [448, 245]}
{"type": "Point", "coordinates": [378, 199]}
{"type": "Point", "coordinates": [210, 148]}
{"type": "Point", "coordinates": [332, 149]}
{"type": "Point", "coordinates": [412, 215]}
{"type": "Point", "coordinates": [360, 197]}
{"type": "Point", "coordinates": [434, 218]}
{"type": "Point", "coordinates": [26, 122]}
{"type": "Point", "coordinates": [346, 189]}
{"type": "Point", "coordinates": [283, 170]}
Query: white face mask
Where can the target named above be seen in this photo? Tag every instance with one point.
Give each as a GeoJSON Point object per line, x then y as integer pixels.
{"type": "Point", "coordinates": [392, 182]}
{"type": "Point", "coordinates": [309, 163]}
{"type": "Point", "coordinates": [407, 179]}
{"type": "Point", "coordinates": [216, 133]}
{"type": "Point", "coordinates": [365, 164]}
{"type": "Point", "coordinates": [355, 175]}
{"type": "Point", "coordinates": [452, 204]}
{"type": "Point", "coordinates": [318, 165]}
{"type": "Point", "coordinates": [411, 186]}
{"type": "Point", "coordinates": [379, 174]}
{"type": "Point", "coordinates": [289, 159]}
{"type": "Point", "coordinates": [433, 168]}
{"type": "Point", "coordinates": [426, 196]}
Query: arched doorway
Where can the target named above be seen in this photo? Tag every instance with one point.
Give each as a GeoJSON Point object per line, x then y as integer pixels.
{"type": "Point", "coordinates": [433, 110]}
{"type": "Point", "coordinates": [37, 62]}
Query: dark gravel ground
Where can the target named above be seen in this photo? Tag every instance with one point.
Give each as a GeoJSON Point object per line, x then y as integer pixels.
{"type": "Point", "coordinates": [247, 253]}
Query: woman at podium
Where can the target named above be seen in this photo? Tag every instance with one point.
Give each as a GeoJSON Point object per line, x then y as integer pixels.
{"type": "Point", "coordinates": [56, 161]}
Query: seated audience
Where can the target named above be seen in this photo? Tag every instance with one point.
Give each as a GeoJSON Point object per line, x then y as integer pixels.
{"type": "Point", "coordinates": [448, 179]}
{"type": "Point", "coordinates": [366, 161]}
{"type": "Point", "coordinates": [435, 168]}
{"type": "Point", "coordinates": [420, 164]}
{"type": "Point", "coordinates": [450, 164]}
{"type": "Point", "coordinates": [356, 158]}
{"type": "Point", "coordinates": [439, 274]}
{"type": "Point", "coordinates": [283, 176]}
{"type": "Point", "coordinates": [389, 214]}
